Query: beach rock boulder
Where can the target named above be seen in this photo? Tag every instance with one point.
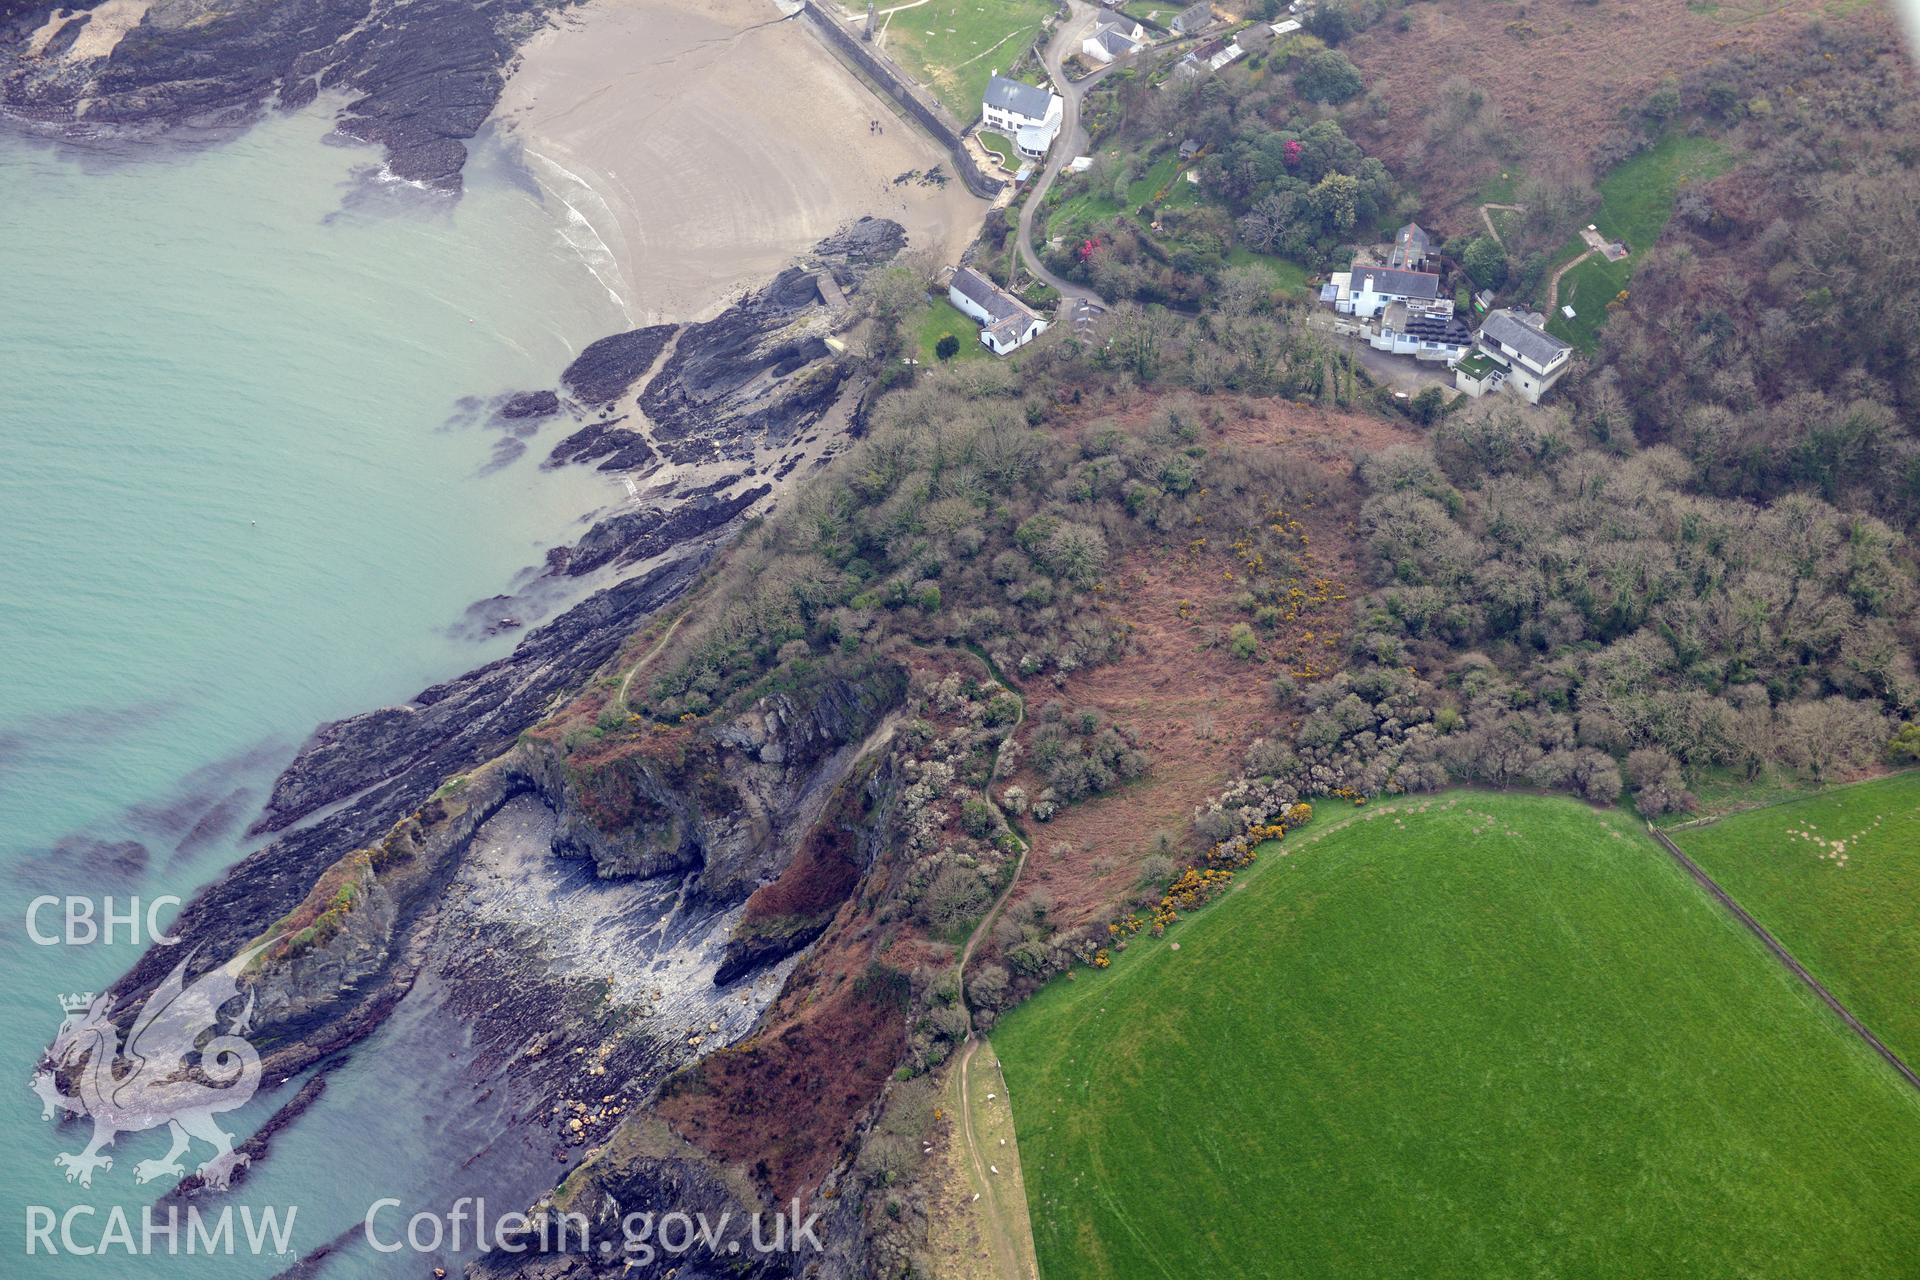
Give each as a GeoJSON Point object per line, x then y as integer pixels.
{"type": "Point", "coordinates": [603, 372]}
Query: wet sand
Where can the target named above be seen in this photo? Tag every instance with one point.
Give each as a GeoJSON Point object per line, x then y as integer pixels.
{"type": "Point", "coordinates": [703, 143]}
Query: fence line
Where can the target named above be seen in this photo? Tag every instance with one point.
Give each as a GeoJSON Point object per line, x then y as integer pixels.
{"type": "Point", "coordinates": [1784, 956]}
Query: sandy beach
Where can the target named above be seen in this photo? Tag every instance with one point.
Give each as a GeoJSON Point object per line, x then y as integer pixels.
{"type": "Point", "coordinates": [701, 144]}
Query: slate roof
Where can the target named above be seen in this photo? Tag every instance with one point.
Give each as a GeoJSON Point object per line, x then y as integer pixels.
{"type": "Point", "coordinates": [1008, 330]}
{"type": "Point", "coordinates": [1405, 284]}
{"type": "Point", "coordinates": [1018, 97]}
{"type": "Point", "coordinates": [998, 303]}
{"type": "Point", "coordinates": [1193, 17]}
{"type": "Point", "coordinates": [1115, 41]}
{"type": "Point", "coordinates": [1535, 345]}
{"type": "Point", "coordinates": [1410, 244]}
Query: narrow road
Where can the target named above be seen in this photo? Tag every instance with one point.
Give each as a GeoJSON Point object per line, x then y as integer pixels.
{"type": "Point", "coordinates": [1784, 956]}
{"type": "Point", "coordinates": [1071, 142]}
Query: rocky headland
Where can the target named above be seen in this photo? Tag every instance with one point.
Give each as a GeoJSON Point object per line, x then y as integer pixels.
{"type": "Point", "coordinates": [583, 919]}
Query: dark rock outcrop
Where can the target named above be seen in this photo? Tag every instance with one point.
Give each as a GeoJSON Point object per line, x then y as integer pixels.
{"type": "Point", "coordinates": [421, 76]}
{"type": "Point", "coordinates": [613, 447]}
{"type": "Point", "coordinates": [735, 800]}
{"type": "Point", "coordinates": [633, 536]}
{"type": "Point", "coordinates": [459, 722]}
{"type": "Point", "coordinates": [605, 369]}
{"type": "Point", "coordinates": [754, 374]}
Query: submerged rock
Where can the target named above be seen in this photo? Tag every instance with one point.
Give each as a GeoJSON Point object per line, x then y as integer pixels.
{"type": "Point", "coordinates": [530, 404]}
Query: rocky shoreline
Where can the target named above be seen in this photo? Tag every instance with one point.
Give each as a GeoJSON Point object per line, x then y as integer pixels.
{"type": "Point", "coordinates": [440, 868]}
{"type": "Point", "coordinates": [397, 812]}
{"type": "Point", "coordinates": [736, 405]}
{"type": "Point", "coordinates": [417, 77]}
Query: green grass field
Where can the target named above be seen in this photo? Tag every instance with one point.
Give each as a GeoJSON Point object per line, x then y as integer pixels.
{"type": "Point", "coordinates": [1836, 878]}
{"type": "Point", "coordinates": [941, 318]}
{"type": "Point", "coordinates": [1086, 208]}
{"type": "Point", "coordinates": [954, 46]}
{"type": "Point", "coordinates": [1636, 202]}
{"type": "Point", "coordinates": [1459, 1036]}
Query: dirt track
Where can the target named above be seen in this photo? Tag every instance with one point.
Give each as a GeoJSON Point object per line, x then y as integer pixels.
{"type": "Point", "coordinates": [1008, 1232]}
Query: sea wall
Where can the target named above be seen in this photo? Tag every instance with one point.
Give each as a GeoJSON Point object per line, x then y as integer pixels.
{"type": "Point", "coordinates": [889, 78]}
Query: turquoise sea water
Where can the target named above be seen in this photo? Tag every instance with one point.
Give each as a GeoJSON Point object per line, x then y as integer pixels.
{"type": "Point", "coordinates": [237, 499]}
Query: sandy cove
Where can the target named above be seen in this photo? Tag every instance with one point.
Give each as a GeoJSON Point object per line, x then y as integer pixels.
{"type": "Point", "coordinates": [707, 142]}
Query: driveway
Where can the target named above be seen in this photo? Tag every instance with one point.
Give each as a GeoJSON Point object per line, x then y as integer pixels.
{"type": "Point", "coordinates": [1402, 373]}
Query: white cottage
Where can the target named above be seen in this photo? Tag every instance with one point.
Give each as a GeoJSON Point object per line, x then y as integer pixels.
{"type": "Point", "coordinates": [1114, 37]}
{"type": "Point", "coordinates": [1006, 323]}
{"type": "Point", "coordinates": [1026, 113]}
{"type": "Point", "coordinates": [1514, 349]}
{"type": "Point", "coordinates": [1196, 17]}
{"type": "Point", "coordinates": [1368, 290]}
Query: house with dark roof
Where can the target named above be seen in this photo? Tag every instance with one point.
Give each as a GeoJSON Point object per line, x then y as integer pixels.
{"type": "Point", "coordinates": [1026, 113]}
{"type": "Point", "coordinates": [1367, 290]}
{"type": "Point", "coordinates": [1114, 37]}
{"type": "Point", "coordinates": [1411, 245]}
{"type": "Point", "coordinates": [1514, 350]}
{"type": "Point", "coordinates": [1006, 322]}
{"type": "Point", "coordinates": [1193, 18]}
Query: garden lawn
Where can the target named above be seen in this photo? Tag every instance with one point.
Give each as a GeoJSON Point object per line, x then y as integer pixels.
{"type": "Point", "coordinates": [940, 318]}
{"type": "Point", "coordinates": [1636, 202]}
{"type": "Point", "coordinates": [1287, 274]}
{"type": "Point", "coordinates": [954, 46]}
{"type": "Point", "coordinates": [1836, 878]}
{"type": "Point", "coordinates": [1088, 209]}
{"type": "Point", "coordinates": [1079, 214]}
{"type": "Point", "coordinates": [1460, 1036]}
{"type": "Point", "coordinates": [1000, 147]}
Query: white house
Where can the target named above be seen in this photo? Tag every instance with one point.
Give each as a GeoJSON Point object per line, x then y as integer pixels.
{"type": "Point", "coordinates": [1425, 333]}
{"type": "Point", "coordinates": [1026, 113]}
{"type": "Point", "coordinates": [1514, 349]}
{"type": "Point", "coordinates": [1367, 290]}
{"type": "Point", "coordinates": [1193, 18]}
{"type": "Point", "coordinates": [1114, 37]}
{"type": "Point", "coordinates": [1005, 322]}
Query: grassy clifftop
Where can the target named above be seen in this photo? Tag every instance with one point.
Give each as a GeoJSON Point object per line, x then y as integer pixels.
{"type": "Point", "coordinates": [1469, 1035]}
